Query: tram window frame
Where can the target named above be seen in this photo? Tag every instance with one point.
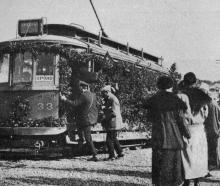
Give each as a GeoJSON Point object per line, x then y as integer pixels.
{"type": "Point", "coordinates": [22, 67]}
{"type": "Point", "coordinates": [92, 66]}
{"type": "Point", "coordinates": [42, 77]}
{"type": "Point", "coordinates": [7, 68]}
{"type": "Point", "coordinates": [46, 82]}
{"type": "Point", "coordinates": [51, 67]}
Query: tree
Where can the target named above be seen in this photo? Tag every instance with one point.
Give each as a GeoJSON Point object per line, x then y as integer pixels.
{"type": "Point", "coordinates": [175, 75]}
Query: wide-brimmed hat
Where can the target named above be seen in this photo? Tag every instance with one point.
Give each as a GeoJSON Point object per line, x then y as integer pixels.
{"type": "Point", "coordinates": [189, 78]}
{"type": "Point", "coordinates": [164, 82]}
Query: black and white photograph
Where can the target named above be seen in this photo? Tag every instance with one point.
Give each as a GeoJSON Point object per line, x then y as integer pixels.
{"type": "Point", "coordinates": [109, 93]}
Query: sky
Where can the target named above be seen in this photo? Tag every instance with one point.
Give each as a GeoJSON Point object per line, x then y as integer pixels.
{"type": "Point", "coordinates": [185, 32]}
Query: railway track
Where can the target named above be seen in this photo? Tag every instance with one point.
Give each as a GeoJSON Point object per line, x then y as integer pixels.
{"type": "Point", "coordinates": [61, 146]}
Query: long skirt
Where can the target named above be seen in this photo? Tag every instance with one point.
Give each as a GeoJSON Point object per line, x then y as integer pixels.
{"type": "Point", "coordinates": [195, 155]}
{"type": "Point", "coordinates": [167, 168]}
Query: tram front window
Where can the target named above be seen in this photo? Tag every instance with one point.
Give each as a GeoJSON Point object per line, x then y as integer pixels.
{"type": "Point", "coordinates": [22, 69]}
{"type": "Point", "coordinates": [45, 65]}
{"type": "Point", "coordinates": [4, 68]}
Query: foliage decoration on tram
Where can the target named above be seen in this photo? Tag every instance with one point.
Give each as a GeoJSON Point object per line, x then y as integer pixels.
{"type": "Point", "coordinates": [133, 82]}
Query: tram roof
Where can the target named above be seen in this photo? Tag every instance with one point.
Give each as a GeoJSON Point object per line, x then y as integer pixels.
{"type": "Point", "coordinates": [51, 39]}
{"type": "Point", "coordinates": [116, 49]}
{"type": "Point", "coordinates": [118, 55]}
{"type": "Point", "coordinates": [94, 48]}
{"type": "Point", "coordinates": [76, 31]}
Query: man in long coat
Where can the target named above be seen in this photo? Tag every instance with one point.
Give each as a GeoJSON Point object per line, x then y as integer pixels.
{"type": "Point", "coordinates": [212, 126]}
{"type": "Point", "coordinates": [112, 122]}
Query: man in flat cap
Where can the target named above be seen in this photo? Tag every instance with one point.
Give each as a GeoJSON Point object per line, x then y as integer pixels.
{"type": "Point", "coordinates": [86, 115]}
{"type": "Point", "coordinates": [112, 121]}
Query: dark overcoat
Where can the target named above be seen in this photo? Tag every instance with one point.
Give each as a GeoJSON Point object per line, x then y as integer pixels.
{"type": "Point", "coordinates": [166, 112]}
{"type": "Point", "coordinates": [212, 125]}
{"type": "Point", "coordinates": [86, 109]}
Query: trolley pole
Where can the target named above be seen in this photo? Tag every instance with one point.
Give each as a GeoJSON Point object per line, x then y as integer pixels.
{"type": "Point", "coordinates": [103, 32]}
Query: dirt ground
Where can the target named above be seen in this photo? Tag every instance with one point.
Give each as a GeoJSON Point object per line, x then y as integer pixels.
{"type": "Point", "coordinates": [132, 170]}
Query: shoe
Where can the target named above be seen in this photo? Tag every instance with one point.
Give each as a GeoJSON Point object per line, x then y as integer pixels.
{"type": "Point", "coordinates": [208, 175]}
{"type": "Point", "coordinates": [120, 156]}
{"type": "Point", "coordinates": [93, 159]}
{"type": "Point", "coordinates": [110, 158]}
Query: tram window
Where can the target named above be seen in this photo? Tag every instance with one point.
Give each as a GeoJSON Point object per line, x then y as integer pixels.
{"type": "Point", "coordinates": [22, 71]}
{"type": "Point", "coordinates": [4, 68]}
{"type": "Point", "coordinates": [45, 64]}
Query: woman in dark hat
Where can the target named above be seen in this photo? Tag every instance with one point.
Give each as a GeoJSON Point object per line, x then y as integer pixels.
{"type": "Point", "coordinates": [195, 155]}
{"type": "Point", "coordinates": [189, 79]}
{"type": "Point", "coordinates": [166, 112]}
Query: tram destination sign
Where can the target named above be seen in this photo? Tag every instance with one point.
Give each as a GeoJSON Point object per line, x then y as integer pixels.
{"type": "Point", "coordinates": [44, 78]}
{"type": "Point", "coordinates": [30, 27]}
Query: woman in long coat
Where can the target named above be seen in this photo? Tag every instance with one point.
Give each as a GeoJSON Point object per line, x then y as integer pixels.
{"type": "Point", "coordinates": [166, 112]}
{"type": "Point", "coordinates": [195, 155]}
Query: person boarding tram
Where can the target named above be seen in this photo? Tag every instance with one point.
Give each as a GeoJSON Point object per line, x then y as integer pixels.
{"type": "Point", "coordinates": [86, 115]}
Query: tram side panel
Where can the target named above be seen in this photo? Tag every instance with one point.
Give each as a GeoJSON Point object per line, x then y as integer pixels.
{"type": "Point", "coordinates": [40, 104]}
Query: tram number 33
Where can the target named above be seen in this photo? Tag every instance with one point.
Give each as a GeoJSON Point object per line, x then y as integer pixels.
{"type": "Point", "coordinates": [47, 106]}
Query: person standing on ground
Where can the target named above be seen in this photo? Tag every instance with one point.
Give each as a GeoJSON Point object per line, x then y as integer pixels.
{"type": "Point", "coordinates": [86, 115]}
{"type": "Point", "coordinates": [112, 121]}
{"type": "Point", "coordinates": [166, 112]}
{"type": "Point", "coordinates": [195, 155]}
{"type": "Point", "coordinates": [212, 125]}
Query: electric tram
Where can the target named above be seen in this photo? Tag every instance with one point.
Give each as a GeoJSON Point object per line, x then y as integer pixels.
{"type": "Point", "coordinates": [30, 86]}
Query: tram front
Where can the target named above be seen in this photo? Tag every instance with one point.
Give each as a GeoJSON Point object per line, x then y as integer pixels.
{"type": "Point", "coordinates": [29, 94]}
{"type": "Point", "coordinates": [29, 87]}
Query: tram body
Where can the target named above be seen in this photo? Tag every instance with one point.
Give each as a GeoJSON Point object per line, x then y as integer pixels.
{"type": "Point", "coordinates": [32, 82]}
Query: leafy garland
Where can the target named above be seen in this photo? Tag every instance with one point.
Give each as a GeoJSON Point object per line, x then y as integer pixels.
{"type": "Point", "coordinates": [18, 117]}
{"type": "Point", "coordinates": [134, 83]}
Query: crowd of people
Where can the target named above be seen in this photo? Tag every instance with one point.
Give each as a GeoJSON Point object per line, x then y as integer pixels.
{"type": "Point", "coordinates": [185, 132]}
{"type": "Point", "coordinates": [185, 128]}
